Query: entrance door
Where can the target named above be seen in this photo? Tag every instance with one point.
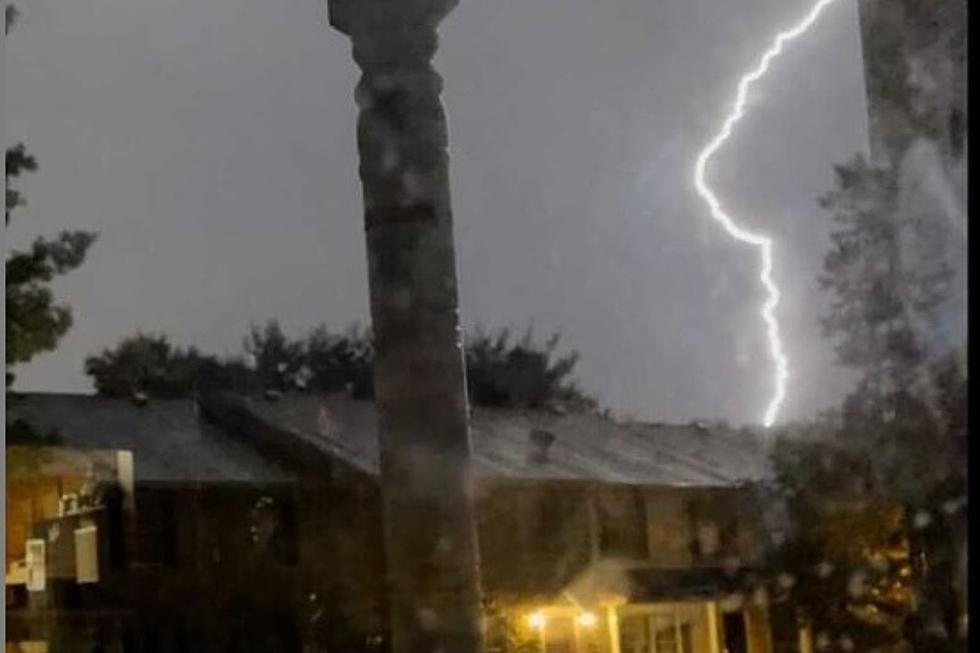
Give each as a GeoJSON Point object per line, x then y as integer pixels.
{"type": "Point", "coordinates": [559, 635]}
{"type": "Point", "coordinates": [735, 639]}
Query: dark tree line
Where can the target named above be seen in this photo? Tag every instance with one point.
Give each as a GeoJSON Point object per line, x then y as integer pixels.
{"type": "Point", "coordinates": [500, 372]}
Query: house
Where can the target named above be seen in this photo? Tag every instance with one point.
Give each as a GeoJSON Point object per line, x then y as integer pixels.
{"type": "Point", "coordinates": [188, 571]}
{"type": "Point", "coordinates": [263, 513]}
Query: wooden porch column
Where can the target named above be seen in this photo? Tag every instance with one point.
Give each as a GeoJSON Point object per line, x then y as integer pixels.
{"type": "Point", "coordinates": [714, 637]}
{"type": "Point", "coordinates": [612, 627]}
{"type": "Point", "coordinates": [420, 388]}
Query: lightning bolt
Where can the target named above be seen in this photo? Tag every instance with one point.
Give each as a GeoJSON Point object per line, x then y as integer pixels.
{"type": "Point", "coordinates": [763, 242]}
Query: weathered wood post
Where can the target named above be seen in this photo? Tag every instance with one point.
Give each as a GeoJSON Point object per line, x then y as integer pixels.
{"type": "Point", "coordinates": [420, 387]}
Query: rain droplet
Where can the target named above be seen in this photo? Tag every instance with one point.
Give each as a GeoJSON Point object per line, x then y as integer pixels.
{"type": "Point", "coordinates": [384, 82]}
{"type": "Point", "coordinates": [823, 641]}
{"type": "Point", "coordinates": [937, 628]}
{"type": "Point", "coordinates": [731, 565]}
{"type": "Point", "coordinates": [444, 546]}
{"type": "Point", "coordinates": [412, 182]}
{"type": "Point", "coordinates": [428, 619]}
{"type": "Point", "coordinates": [389, 160]}
{"type": "Point", "coordinates": [857, 584]}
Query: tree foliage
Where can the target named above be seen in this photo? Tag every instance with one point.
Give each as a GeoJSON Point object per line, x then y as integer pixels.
{"type": "Point", "coordinates": [35, 322]}
{"type": "Point", "coordinates": [869, 490]}
{"type": "Point", "coordinates": [275, 359]}
{"type": "Point", "coordinates": [889, 280]}
{"type": "Point", "coordinates": [519, 375]}
{"type": "Point", "coordinates": [18, 161]}
{"type": "Point", "coordinates": [147, 364]}
{"type": "Point", "coordinates": [887, 275]}
{"type": "Point", "coordinates": [499, 373]}
{"type": "Point", "coordinates": [847, 553]}
{"type": "Point", "coordinates": [337, 362]}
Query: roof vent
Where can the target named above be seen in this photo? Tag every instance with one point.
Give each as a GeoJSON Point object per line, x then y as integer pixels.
{"type": "Point", "coordinates": [541, 442]}
{"type": "Point", "coordinates": [557, 408]}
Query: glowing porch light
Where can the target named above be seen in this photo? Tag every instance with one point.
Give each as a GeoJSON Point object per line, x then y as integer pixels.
{"type": "Point", "coordinates": [536, 620]}
{"type": "Point", "coordinates": [587, 620]}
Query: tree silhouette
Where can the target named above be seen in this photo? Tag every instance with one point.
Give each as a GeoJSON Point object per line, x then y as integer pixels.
{"type": "Point", "coordinates": [519, 375]}
{"type": "Point", "coordinates": [876, 494]}
{"type": "Point", "coordinates": [144, 364]}
{"type": "Point", "coordinates": [522, 374]}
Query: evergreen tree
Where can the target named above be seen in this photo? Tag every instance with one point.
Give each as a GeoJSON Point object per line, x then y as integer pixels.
{"type": "Point", "coordinates": [876, 497]}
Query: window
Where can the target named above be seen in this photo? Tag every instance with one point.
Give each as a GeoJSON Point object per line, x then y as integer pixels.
{"type": "Point", "coordinates": [622, 523]}
{"type": "Point", "coordinates": [666, 639]}
{"type": "Point", "coordinates": [664, 630]}
{"type": "Point", "coordinates": [558, 522]}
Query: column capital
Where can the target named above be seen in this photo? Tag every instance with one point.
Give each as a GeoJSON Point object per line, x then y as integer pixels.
{"type": "Point", "coordinates": [369, 17]}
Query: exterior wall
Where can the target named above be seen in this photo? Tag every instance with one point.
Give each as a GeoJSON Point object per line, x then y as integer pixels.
{"type": "Point", "coordinates": [533, 537]}
{"type": "Point", "coordinates": [29, 501]}
{"type": "Point", "coordinates": [226, 576]}
{"type": "Point", "coordinates": [703, 527]}
{"type": "Point", "coordinates": [219, 570]}
{"type": "Point", "coordinates": [669, 529]}
{"type": "Point", "coordinates": [680, 529]}
{"type": "Point", "coordinates": [342, 560]}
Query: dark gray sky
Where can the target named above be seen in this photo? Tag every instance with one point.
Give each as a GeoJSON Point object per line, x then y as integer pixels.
{"type": "Point", "coordinates": [211, 144]}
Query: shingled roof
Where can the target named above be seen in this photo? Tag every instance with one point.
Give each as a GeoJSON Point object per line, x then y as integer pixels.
{"type": "Point", "coordinates": [168, 440]}
{"type": "Point", "coordinates": [584, 446]}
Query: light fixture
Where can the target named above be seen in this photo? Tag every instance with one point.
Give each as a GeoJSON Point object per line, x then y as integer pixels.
{"type": "Point", "coordinates": [536, 620]}
{"type": "Point", "coordinates": [587, 619]}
